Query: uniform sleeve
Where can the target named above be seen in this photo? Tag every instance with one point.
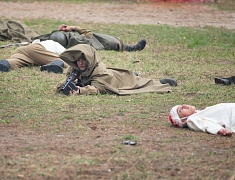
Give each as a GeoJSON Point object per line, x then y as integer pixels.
{"type": "Point", "coordinates": [204, 125]}
{"type": "Point", "coordinates": [88, 90]}
{"type": "Point", "coordinates": [85, 32]}
{"type": "Point", "coordinates": [58, 87]}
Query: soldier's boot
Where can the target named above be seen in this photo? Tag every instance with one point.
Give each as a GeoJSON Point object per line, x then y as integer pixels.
{"type": "Point", "coordinates": [225, 81]}
{"type": "Point", "coordinates": [137, 47]}
{"type": "Point", "coordinates": [170, 81]}
{"type": "Point", "coordinates": [4, 65]}
{"type": "Point", "coordinates": [55, 67]}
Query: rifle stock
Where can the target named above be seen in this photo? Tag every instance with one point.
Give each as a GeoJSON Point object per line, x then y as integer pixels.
{"type": "Point", "coordinates": [16, 44]}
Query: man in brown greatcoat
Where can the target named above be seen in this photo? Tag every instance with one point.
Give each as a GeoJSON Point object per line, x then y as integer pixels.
{"type": "Point", "coordinates": [92, 76]}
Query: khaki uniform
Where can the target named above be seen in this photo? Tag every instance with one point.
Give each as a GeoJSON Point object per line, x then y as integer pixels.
{"type": "Point", "coordinates": [31, 55]}
{"type": "Point", "coordinates": [16, 31]}
{"type": "Point", "coordinates": [99, 79]}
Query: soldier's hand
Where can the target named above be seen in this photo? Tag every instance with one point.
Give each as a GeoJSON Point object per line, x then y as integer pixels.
{"type": "Point", "coordinates": [66, 28]}
{"type": "Point", "coordinates": [75, 81]}
{"type": "Point", "coordinates": [76, 92]}
{"type": "Point", "coordinates": [225, 132]}
{"type": "Point", "coordinates": [62, 27]}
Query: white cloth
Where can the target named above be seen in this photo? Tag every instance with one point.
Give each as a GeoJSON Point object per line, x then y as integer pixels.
{"type": "Point", "coordinates": [174, 117]}
{"type": "Point", "coordinates": [213, 118]}
{"type": "Point", "coordinates": [51, 45]}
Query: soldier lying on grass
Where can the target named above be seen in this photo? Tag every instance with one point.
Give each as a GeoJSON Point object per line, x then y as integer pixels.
{"type": "Point", "coordinates": [217, 119]}
{"type": "Point", "coordinates": [92, 75]}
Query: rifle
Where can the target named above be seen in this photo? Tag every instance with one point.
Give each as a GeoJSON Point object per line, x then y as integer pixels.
{"type": "Point", "coordinates": [16, 44]}
{"type": "Point", "coordinates": [69, 84]}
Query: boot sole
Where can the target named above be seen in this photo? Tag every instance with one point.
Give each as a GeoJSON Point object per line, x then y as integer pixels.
{"type": "Point", "coordinates": [4, 68]}
{"type": "Point", "coordinates": [52, 68]}
{"type": "Point", "coordinates": [232, 79]}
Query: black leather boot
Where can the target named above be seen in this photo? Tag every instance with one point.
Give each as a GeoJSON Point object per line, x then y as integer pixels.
{"type": "Point", "coordinates": [138, 47]}
{"type": "Point", "coordinates": [225, 81]}
{"type": "Point", "coordinates": [232, 79]}
{"type": "Point", "coordinates": [170, 81]}
{"type": "Point", "coordinates": [55, 67]}
{"type": "Point", "coordinates": [4, 65]}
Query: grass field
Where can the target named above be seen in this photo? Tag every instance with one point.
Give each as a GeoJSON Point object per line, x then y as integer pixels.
{"type": "Point", "coordinates": [45, 135]}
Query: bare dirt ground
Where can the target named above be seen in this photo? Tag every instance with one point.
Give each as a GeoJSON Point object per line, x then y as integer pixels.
{"type": "Point", "coordinates": [177, 14]}
{"type": "Point", "coordinates": [35, 154]}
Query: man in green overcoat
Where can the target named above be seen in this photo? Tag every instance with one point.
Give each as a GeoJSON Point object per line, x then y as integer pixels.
{"type": "Point", "coordinates": [69, 36]}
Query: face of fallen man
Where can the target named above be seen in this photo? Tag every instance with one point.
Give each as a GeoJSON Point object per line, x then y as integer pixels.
{"type": "Point", "coordinates": [185, 110]}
